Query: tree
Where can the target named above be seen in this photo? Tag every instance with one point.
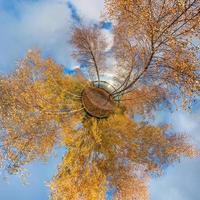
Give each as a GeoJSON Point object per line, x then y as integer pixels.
{"type": "Point", "coordinates": [116, 154]}
{"type": "Point", "coordinates": [157, 45]}
{"type": "Point", "coordinates": [155, 63]}
{"type": "Point", "coordinates": [34, 101]}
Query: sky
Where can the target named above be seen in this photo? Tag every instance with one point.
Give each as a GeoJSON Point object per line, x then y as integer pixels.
{"type": "Point", "coordinates": [46, 25]}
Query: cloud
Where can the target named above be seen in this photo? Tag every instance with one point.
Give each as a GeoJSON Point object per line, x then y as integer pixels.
{"type": "Point", "coordinates": [109, 38]}
{"type": "Point", "coordinates": [34, 24]}
{"type": "Point", "coordinates": [181, 180]}
{"type": "Point", "coordinates": [89, 9]}
{"type": "Point", "coordinates": [46, 25]}
{"type": "Point", "coordinates": [188, 123]}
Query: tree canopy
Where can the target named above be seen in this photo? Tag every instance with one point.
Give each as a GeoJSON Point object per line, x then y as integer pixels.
{"type": "Point", "coordinates": [155, 62]}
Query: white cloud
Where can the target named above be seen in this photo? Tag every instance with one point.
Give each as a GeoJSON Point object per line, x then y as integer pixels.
{"type": "Point", "coordinates": [44, 25]}
{"type": "Point", "coordinates": [188, 123]}
{"type": "Point", "coordinates": [109, 38]}
{"type": "Point", "coordinates": [89, 9]}
{"type": "Point", "coordinates": [181, 181]}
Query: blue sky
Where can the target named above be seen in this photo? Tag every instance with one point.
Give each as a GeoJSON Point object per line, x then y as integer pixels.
{"type": "Point", "coordinates": [46, 25]}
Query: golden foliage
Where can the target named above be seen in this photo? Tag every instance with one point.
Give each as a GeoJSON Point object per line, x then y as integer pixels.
{"type": "Point", "coordinates": [145, 99]}
{"type": "Point", "coordinates": [41, 107]}
{"type": "Point", "coordinates": [34, 102]}
{"type": "Point", "coordinates": [156, 44]}
{"type": "Point", "coordinates": [155, 62]}
{"type": "Point", "coordinates": [115, 153]}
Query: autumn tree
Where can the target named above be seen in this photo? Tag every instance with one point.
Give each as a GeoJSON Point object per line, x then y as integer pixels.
{"type": "Point", "coordinates": [115, 153]}
{"type": "Point", "coordinates": [157, 47]}
{"type": "Point", "coordinates": [34, 100]}
{"type": "Point", "coordinates": [155, 62]}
